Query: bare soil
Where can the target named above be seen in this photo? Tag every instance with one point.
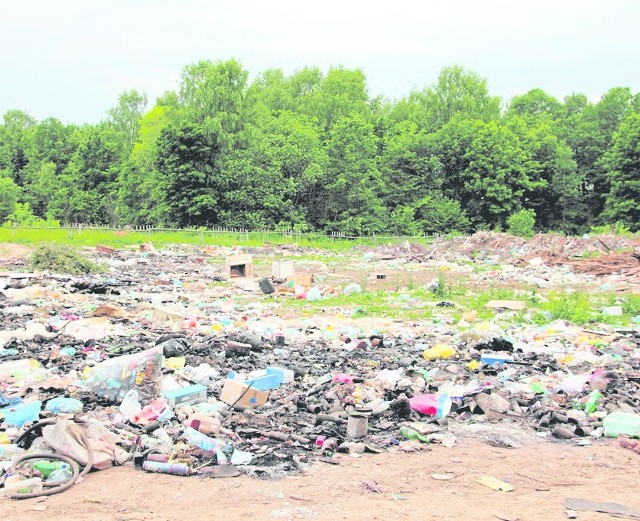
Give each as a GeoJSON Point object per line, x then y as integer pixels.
{"type": "Point", "coordinates": [542, 474]}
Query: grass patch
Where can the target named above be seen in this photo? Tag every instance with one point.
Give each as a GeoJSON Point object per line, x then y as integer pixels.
{"type": "Point", "coordinates": [384, 304]}
{"type": "Point", "coordinates": [631, 304]}
{"type": "Point", "coordinates": [60, 258]}
{"type": "Point", "coordinates": [161, 238]}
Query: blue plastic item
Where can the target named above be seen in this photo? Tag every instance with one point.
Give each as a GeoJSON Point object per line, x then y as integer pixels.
{"type": "Point", "coordinates": [186, 395]}
{"type": "Point", "coordinates": [19, 415]}
{"type": "Point", "coordinates": [264, 383]}
{"type": "Point", "coordinates": [64, 405]}
{"type": "Point", "coordinates": [492, 358]}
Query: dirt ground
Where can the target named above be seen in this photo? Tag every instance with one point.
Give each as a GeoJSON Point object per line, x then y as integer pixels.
{"type": "Point", "coordinates": [542, 474]}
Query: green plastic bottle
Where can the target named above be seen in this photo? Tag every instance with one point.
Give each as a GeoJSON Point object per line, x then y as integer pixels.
{"type": "Point", "coordinates": [594, 400]}
{"type": "Point", "coordinates": [410, 434]}
{"type": "Point", "coordinates": [47, 467]}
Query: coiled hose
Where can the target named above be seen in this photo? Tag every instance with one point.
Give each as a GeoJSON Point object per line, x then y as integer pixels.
{"type": "Point", "coordinates": [53, 488]}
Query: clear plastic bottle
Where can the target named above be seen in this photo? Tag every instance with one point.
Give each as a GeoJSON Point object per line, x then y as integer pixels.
{"type": "Point", "coordinates": [193, 437]}
{"type": "Point", "coordinates": [61, 475]}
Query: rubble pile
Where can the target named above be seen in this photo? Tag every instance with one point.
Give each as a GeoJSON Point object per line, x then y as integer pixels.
{"type": "Point", "coordinates": [169, 364]}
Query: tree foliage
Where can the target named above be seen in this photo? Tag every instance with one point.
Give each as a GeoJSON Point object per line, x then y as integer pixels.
{"type": "Point", "coordinates": [312, 150]}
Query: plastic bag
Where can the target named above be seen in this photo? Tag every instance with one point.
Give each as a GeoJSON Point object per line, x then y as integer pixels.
{"type": "Point", "coordinates": [113, 378]}
{"type": "Point", "coordinates": [63, 405]}
{"type": "Point", "coordinates": [65, 437]}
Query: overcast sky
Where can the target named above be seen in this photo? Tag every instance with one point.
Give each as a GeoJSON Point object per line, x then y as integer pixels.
{"type": "Point", "coordinates": [71, 58]}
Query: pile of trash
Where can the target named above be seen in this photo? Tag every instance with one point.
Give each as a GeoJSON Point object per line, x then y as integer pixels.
{"type": "Point", "coordinates": [155, 367]}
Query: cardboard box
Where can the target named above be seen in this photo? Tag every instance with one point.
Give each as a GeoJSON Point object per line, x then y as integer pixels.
{"type": "Point", "coordinates": [232, 389]}
{"type": "Point", "coordinates": [239, 265]}
{"type": "Point", "coordinates": [301, 280]}
{"type": "Point", "coordinates": [282, 269]}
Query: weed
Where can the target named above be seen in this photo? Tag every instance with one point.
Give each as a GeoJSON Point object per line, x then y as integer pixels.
{"type": "Point", "coordinates": [574, 307]}
{"type": "Point", "coordinates": [443, 290]}
{"type": "Point", "coordinates": [63, 259]}
{"type": "Point", "coordinates": [631, 304]}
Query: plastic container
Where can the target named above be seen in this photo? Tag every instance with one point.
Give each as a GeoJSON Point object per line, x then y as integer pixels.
{"type": "Point", "coordinates": [204, 424]}
{"type": "Point", "coordinates": [624, 423]}
{"type": "Point", "coordinates": [492, 358]}
{"type": "Point", "coordinates": [438, 405]}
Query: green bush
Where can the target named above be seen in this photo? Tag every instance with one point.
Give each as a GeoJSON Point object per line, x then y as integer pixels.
{"type": "Point", "coordinates": [521, 223]}
{"type": "Point", "coordinates": [63, 258]}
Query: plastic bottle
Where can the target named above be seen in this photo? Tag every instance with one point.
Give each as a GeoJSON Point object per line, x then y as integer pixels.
{"type": "Point", "coordinates": [193, 437]}
{"type": "Point", "coordinates": [412, 435]}
{"type": "Point", "coordinates": [593, 401]}
{"type": "Point", "coordinates": [620, 422]}
{"type": "Point", "coordinates": [61, 475]}
{"type": "Point", "coordinates": [47, 467]}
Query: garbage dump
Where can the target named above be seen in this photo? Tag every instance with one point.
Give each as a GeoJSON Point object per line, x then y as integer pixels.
{"type": "Point", "coordinates": [175, 361]}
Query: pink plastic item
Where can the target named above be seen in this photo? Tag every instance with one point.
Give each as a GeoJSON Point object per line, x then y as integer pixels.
{"type": "Point", "coordinates": [342, 378]}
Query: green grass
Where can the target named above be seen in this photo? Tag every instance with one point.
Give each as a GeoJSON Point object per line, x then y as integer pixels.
{"type": "Point", "coordinates": [384, 304]}
{"type": "Point", "coordinates": [122, 238]}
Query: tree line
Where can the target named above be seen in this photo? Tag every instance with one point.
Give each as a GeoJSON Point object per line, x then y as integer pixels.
{"type": "Point", "coordinates": [313, 151]}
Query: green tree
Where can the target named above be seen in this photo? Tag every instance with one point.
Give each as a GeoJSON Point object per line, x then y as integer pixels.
{"type": "Point", "coordinates": [14, 142]}
{"type": "Point", "coordinates": [623, 172]}
{"type": "Point", "coordinates": [126, 116]}
{"type": "Point", "coordinates": [496, 179]}
{"type": "Point", "coordinates": [350, 201]}
{"type": "Point", "coordinates": [212, 95]}
{"type": "Point", "coordinates": [457, 93]}
{"type": "Point", "coordinates": [9, 193]}
{"type": "Point", "coordinates": [183, 162]}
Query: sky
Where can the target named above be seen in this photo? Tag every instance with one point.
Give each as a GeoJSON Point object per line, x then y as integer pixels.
{"type": "Point", "coordinates": [70, 59]}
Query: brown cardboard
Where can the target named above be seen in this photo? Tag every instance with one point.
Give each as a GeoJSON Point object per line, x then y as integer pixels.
{"type": "Point", "coordinates": [232, 389]}
{"type": "Point", "coordinates": [515, 305]}
{"type": "Point", "coordinates": [302, 280]}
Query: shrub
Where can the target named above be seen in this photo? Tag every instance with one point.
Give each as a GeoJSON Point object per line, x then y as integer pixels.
{"type": "Point", "coordinates": [521, 223]}
{"type": "Point", "coordinates": [63, 258]}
